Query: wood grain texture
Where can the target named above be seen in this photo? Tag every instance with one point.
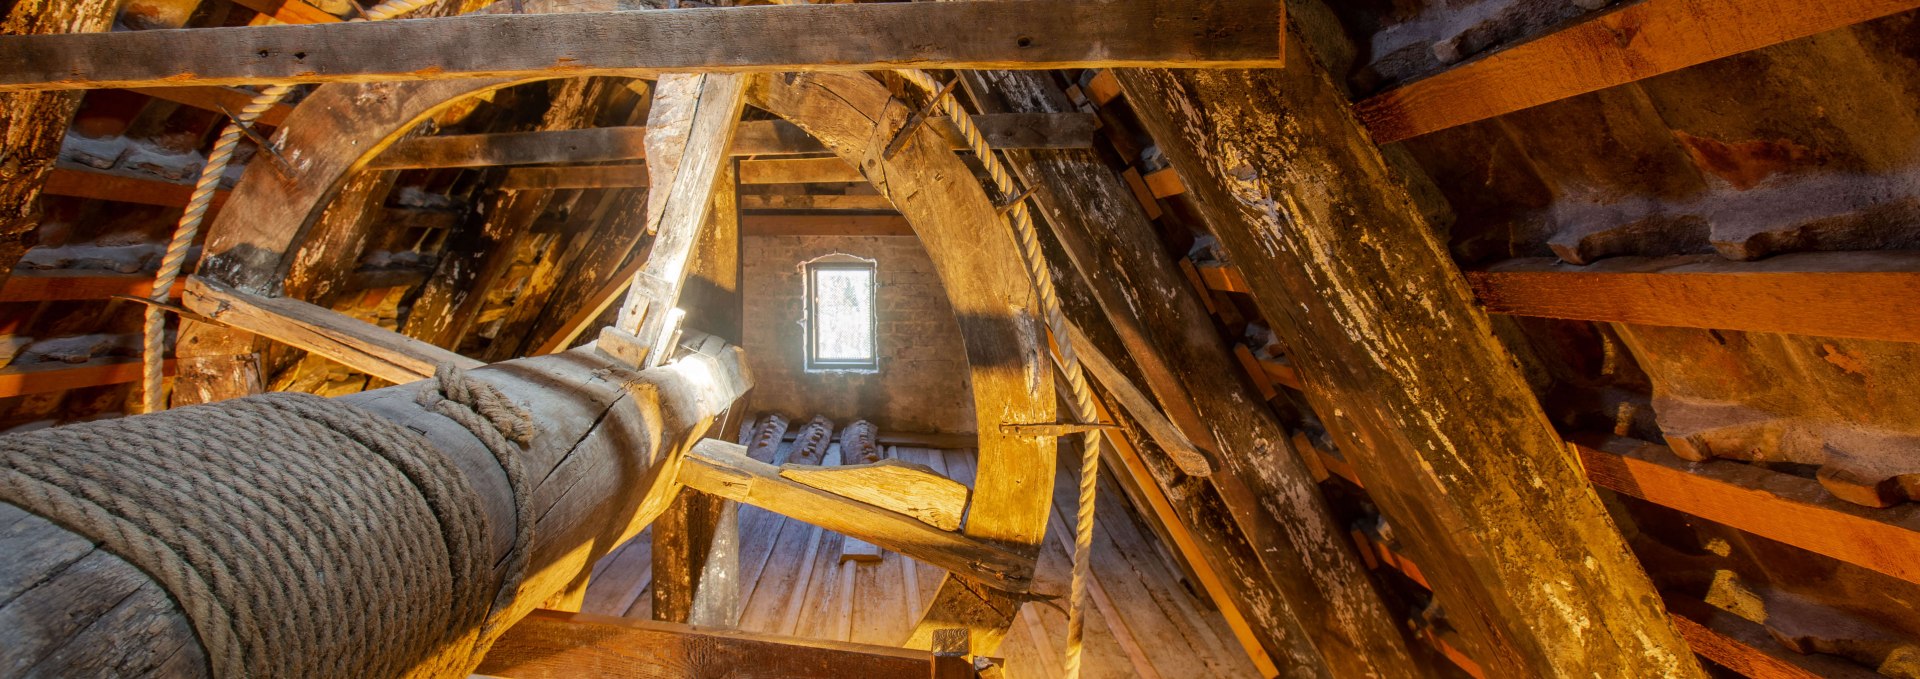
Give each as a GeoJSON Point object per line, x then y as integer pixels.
{"type": "Point", "coordinates": [977, 262]}
{"type": "Point", "coordinates": [1777, 506]}
{"type": "Point", "coordinates": [216, 98]}
{"type": "Point", "coordinates": [289, 11]}
{"type": "Point", "coordinates": [1829, 294]}
{"type": "Point", "coordinates": [772, 38]}
{"type": "Point", "coordinates": [903, 487]}
{"type": "Point", "coordinates": [584, 646]}
{"type": "Point", "coordinates": [1420, 394]}
{"type": "Point", "coordinates": [356, 344]}
{"type": "Point", "coordinates": [1635, 41]}
{"type": "Point", "coordinates": [20, 379]}
{"type": "Point", "coordinates": [723, 469]}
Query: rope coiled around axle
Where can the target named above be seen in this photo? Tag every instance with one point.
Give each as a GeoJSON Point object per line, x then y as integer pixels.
{"type": "Point", "coordinates": [302, 537]}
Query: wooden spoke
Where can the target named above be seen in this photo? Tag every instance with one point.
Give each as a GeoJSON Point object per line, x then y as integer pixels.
{"type": "Point", "coordinates": [773, 38]}
{"type": "Point", "coordinates": [357, 344]}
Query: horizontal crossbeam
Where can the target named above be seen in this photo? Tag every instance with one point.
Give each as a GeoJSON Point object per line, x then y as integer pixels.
{"type": "Point", "coordinates": [978, 34]}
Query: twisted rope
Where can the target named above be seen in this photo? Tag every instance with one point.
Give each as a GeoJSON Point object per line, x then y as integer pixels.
{"type": "Point", "coordinates": [188, 229]}
{"type": "Point", "coordinates": [500, 424]}
{"type": "Point", "coordinates": [1082, 403]}
{"type": "Point", "coordinates": [302, 537]}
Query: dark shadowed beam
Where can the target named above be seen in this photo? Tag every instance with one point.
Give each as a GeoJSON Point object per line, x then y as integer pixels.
{"type": "Point", "coordinates": [773, 38]}
{"type": "Point", "coordinates": [1637, 41]}
{"type": "Point", "coordinates": [1390, 343]}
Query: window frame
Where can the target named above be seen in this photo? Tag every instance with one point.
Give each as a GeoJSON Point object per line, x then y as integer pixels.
{"type": "Point", "coordinates": [840, 262]}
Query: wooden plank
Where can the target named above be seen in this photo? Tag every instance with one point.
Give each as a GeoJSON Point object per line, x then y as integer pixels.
{"type": "Point", "coordinates": [20, 379]}
{"type": "Point", "coordinates": [1103, 88]}
{"type": "Point", "coordinates": [903, 487]}
{"type": "Point", "coordinates": [1352, 276]}
{"type": "Point", "coordinates": [1830, 294]}
{"type": "Point", "coordinates": [289, 11]}
{"type": "Point", "coordinates": [592, 177]}
{"type": "Point", "coordinates": [68, 285]}
{"type": "Point", "coordinates": [1164, 183]}
{"type": "Point", "coordinates": [98, 185]}
{"type": "Point", "coordinates": [799, 171]}
{"type": "Point", "coordinates": [1636, 41]}
{"type": "Point", "coordinates": [356, 344]}
{"type": "Point", "coordinates": [775, 38]}
{"type": "Point", "coordinates": [782, 202]}
{"type": "Point", "coordinates": [1776, 506]}
{"type": "Point", "coordinates": [1749, 648]}
{"type": "Point", "coordinates": [216, 98]}
{"type": "Point", "coordinates": [584, 646]}
{"type": "Point", "coordinates": [35, 125]}
{"type": "Point", "coordinates": [825, 225]}
{"type": "Point", "coordinates": [754, 138]}
{"type": "Point", "coordinates": [692, 124]}
{"type": "Point", "coordinates": [723, 469]}
{"type": "Point", "coordinates": [1223, 277]}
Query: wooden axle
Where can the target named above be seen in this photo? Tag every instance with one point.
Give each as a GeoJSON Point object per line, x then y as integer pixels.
{"type": "Point", "coordinates": [776, 38]}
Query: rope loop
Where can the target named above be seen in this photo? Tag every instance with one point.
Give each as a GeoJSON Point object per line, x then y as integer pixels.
{"type": "Point", "coordinates": [503, 426]}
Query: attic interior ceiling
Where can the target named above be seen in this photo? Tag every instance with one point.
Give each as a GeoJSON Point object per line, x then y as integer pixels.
{"type": "Point", "coordinates": [1476, 338]}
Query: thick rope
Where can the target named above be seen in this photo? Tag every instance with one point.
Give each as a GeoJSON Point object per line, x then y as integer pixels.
{"type": "Point", "coordinates": [500, 424]}
{"type": "Point", "coordinates": [1081, 401]}
{"type": "Point", "coordinates": [302, 537]}
{"type": "Point", "coordinates": [188, 229]}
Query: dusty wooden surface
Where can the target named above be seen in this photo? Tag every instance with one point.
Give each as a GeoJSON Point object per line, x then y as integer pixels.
{"type": "Point", "coordinates": [569, 645]}
{"type": "Point", "coordinates": [1446, 433]}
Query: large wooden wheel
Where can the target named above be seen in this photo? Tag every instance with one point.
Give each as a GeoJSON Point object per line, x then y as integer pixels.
{"type": "Point", "coordinates": [340, 128]}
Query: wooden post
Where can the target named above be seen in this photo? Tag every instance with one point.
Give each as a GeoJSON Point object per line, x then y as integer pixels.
{"type": "Point", "coordinates": [33, 124]}
{"type": "Point", "coordinates": [1166, 330]}
{"type": "Point", "coordinates": [1444, 430]}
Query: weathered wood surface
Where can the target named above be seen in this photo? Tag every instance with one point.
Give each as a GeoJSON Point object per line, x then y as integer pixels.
{"type": "Point", "coordinates": [1830, 294]}
{"type": "Point", "coordinates": [1421, 395]}
{"type": "Point", "coordinates": [1635, 41]}
{"type": "Point", "coordinates": [1166, 331]}
{"type": "Point", "coordinates": [775, 38]}
{"type": "Point", "coordinates": [595, 462]}
{"type": "Point", "coordinates": [979, 268]}
{"type": "Point", "coordinates": [723, 469]}
{"type": "Point", "coordinates": [902, 487]}
{"type": "Point", "coordinates": [20, 379]}
{"type": "Point", "coordinates": [357, 344]}
{"type": "Point", "coordinates": [754, 138]}
{"type": "Point", "coordinates": [289, 11]}
{"type": "Point", "coordinates": [216, 98]}
{"type": "Point", "coordinates": [582, 646]}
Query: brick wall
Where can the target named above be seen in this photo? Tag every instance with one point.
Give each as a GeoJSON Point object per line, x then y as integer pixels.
{"type": "Point", "coordinates": [922, 384]}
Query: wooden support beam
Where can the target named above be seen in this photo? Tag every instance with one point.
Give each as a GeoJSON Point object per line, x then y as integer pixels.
{"type": "Point", "coordinates": [1769, 504]}
{"type": "Point", "coordinates": [1223, 277]}
{"type": "Point", "coordinates": [70, 285]}
{"type": "Point", "coordinates": [376, 351]}
{"type": "Point", "coordinates": [216, 98]}
{"type": "Point", "coordinates": [1635, 41]}
{"type": "Point", "coordinates": [756, 138]}
{"type": "Point", "coordinates": [799, 171]}
{"type": "Point", "coordinates": [88, 183]}
{"type": "Point", "coordinates": [40, 378]}
{"type": "Point", "coordinates": [825, 225]}
{"type": "Point", "coordinates": [692, 125]}
{"type": "Point", "coordinates": [720, 468]}
{"type": "Point", "coordinates": [289, 11]}
{"type": "Point", "coordinates": [903, 487]}
{"type": "Point", "coordinates": [1418, 390]}
{"type": "Point", "coordinates": [590, 177]}
{"type": "Point", "coordinates": [769, 38]}
{"type": "Point", "coordinates": [1829, 294]}
{"type": "Point", "coordinates": [558, 645]}
{"type": "Point", "coordinates": [814, 202]}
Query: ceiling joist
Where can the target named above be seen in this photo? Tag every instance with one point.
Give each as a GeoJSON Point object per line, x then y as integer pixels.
{"type": "Point", "coordinates": [771, 38]}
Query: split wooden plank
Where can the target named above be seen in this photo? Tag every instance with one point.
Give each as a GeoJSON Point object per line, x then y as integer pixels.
{"type": "Point", "coordinates": [1452, 443]}
{"type": "Point", "coordinates": [773, 38]}
{"type": "Point", "coordinates": [21, 379]}
{"type": "Point", "coordinates": [723, 469]}
{"type": "Point", "coordinates": [34, 126]}
{"type": "Point", "coordinates": [216, 98]}
{"type": "Point", "coordinates": [1636, 41]}
{"type": "Point", "coordinates": [1776, 506]}
{"type": "Point", "coordinates": [692, 124]}
{"type": "Point", "coordinates": [1829, 294]}
{"type": "Point", "coordinates": [903, 487]}
{"type": "Point", "coordinates": [356, 344]}
{"type": "Point", "coordinates": [799, 171]}
{"type": "Point", "coordinates": [755, 138]}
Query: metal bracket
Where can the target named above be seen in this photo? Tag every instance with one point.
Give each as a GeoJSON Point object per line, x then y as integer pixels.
{"type": "Point", "coordinates": [1054, 429]}
{"type": "Point", "coordinates": [914, 121]}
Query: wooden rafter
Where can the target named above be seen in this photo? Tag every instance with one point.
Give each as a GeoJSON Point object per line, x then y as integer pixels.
{"type": "Point", "coordinates": [773, 38]}
{"type": "Point", "coordinates": [1636, 41]}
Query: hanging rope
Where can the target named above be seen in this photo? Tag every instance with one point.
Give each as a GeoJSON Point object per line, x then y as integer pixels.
{"type": "Point", "coordinates": [1081, 401]}
{"type": "Point", "coordinates": [302, 537]}
{"type": "Point", "coordinates": [188, 229]}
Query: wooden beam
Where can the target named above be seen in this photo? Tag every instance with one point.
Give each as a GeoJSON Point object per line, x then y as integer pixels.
{"type": "Point", "coordinates": [814, 202]}
{"type": "Point", "coordinates": [1418, 390]}
{"type": "Point", "coordinates": [770, 38]}
{"type": "Point", "coordinates": [754, 138]}
{"type": "Point", "coordinates": [558, 645]}
{"type": "Point", "coordinates": [70, 285]}
{"type": "Point", "coordinates": [1223, 277]}
{"type": "Point", "coordinates": [825, 225]}
{"type": "Point", "coordinates": [1769, 504]}
{"type": "Point", "coordinates": [98, 185]}
{"type": "Point", "coordinates": [799, 171]}
{"type": "Point", "coordinates": [21, 379]}
{"type": "Point", "coordinates": [1636, 41]}
{"type": "Point", "coordinates": [289, 11]}
{"type": "Point", "coordinates": [692, 123]}
{"type": "Point", "coordinates": [903, 487]}
{"type": "Point", "coordinates": [371, 349]}
{"type": "Point", "coordinates": [720, 468]}
{"type": "Point", "coordinates": [216, 98]}
{"type": "Point", "coordinates": [1829, 294]}
{"type": "Point", "coordinates": [591, 177]}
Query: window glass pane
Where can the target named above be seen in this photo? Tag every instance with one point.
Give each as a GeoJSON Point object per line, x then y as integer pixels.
{"type": "Point", "coordinates": [843, 308]}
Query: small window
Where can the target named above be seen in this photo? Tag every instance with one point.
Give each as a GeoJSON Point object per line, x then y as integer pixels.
{"type": "Point", "coordinates": [841, 316]}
